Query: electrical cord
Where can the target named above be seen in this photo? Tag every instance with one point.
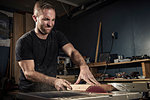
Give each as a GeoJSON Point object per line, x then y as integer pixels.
{"type": "Point", "coordinates": [109, 58]}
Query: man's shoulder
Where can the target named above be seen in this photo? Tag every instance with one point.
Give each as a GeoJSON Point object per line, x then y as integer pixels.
{"type": "Point", "coordinates": [28, 35]}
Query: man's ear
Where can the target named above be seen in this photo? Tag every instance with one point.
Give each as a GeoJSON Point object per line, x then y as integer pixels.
{"type": "Point", "coordinates": [34, 18]}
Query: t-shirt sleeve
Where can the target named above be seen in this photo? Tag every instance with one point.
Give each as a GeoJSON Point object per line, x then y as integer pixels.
{"type": "Point", "coordinates": [62, 39]}
{"type": "Point", "coordinates": [23, 50]}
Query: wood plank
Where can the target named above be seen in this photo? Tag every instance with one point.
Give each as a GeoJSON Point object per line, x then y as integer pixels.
{"type": "Point", "coordinates": [125, 80]}
{"type": "Point", "coordinates": [146, 69]}
{"type": "Point", "coordinates": [99, 64]}
{"type": "Point", "coordinates": [22, 24]}
{"type": "Point", "coordinates": [98, 40]}
{"type": "Point", "coordinates": [29, 23]}
{"type": "Point", "coordinates": [79, 87]}
{"type": "Point", "coordinates": [11, 56]}
{"type": "Point", "coordinates": [18, 31]}
{"type": "Point", "coordinates": [84, 87]}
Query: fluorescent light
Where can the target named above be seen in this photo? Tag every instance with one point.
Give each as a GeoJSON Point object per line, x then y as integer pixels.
{"type": "Point", "coordinates": [69, 3]}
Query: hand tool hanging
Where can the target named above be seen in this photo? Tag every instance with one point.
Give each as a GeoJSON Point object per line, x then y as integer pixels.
{"type": "Point", "coordinates": [98, 40]}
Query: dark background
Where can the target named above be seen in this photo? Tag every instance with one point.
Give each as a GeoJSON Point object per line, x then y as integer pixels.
{"type": "Point", "coordinates": [130, 18]}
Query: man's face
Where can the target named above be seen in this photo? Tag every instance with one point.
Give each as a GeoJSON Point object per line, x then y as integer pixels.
{"type": "Point", "coordinates": [46, 21]}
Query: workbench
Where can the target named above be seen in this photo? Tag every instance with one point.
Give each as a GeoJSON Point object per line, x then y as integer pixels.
{"type": "Point", "coordinates": [144, 63]}
{"type": "Point", "coordinates": [76, 95]}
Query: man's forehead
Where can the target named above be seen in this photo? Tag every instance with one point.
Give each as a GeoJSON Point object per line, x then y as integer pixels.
{"type": "Point", "coordinates": [47, 12]}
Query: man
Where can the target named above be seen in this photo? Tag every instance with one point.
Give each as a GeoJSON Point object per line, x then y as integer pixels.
{"type": "Point", "coordinates": [37, 51]}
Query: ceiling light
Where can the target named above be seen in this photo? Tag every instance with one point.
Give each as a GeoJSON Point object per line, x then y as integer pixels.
{"type": "Point", "coordinates": [69, 3]}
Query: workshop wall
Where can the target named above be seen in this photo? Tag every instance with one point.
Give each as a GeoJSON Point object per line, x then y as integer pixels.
{"type": "Point", "coordinates": [130, 18]}
{"type": "Point", "coordinates": [5, 27]}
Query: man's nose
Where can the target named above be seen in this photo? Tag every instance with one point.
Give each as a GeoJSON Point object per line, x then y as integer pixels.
{"type": "Point", "coordinates": [50, 23]}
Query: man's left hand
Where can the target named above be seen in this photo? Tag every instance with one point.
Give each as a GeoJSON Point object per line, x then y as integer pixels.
{"type": "Point", "coordinates": [87, 76]}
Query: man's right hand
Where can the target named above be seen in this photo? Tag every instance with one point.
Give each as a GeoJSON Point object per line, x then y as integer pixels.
{"type": "Point", "coordinates": [61, 84]}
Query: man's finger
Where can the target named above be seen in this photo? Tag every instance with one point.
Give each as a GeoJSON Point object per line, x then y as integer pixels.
{"type": "Point", "coordinates": [67, 82]}
{"type": "Point", "coordinates": [88, 81]}
{"type": "Point", "coordinates": [78, 80]}
{"type": "Point", "coordinates": [58, 88]}
{"type": "Point", "coordinates": [67, 85]}
{"type": "Point", "coordinates": [92, 79]}
{"type": "Point", "coordinates": [62, 87]}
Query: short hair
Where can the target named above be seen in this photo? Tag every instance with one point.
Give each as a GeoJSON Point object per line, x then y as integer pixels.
{"type": "Point", "coordinates": [40, 5]}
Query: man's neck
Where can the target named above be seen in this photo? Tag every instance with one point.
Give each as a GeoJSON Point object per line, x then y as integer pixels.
{"type": "Point", "coordinates": [41, 36]}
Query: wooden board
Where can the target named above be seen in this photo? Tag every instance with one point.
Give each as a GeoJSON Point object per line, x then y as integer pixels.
{"type": "Point", "coordinates": [146, 69]}
{"type": "Point", "coordinates": [84, 87]}
{"type": "Point", "coordinates": [22, 23]}
{"type": "Point", "coordinates": [80, 87]}
{"type": "Point", "coordinates": [99, 64]}
{"type": "Point", "coordinates": [17, 32]}
{"type": "Point", "coordinates": [125, 80]}
{"type": "Point", "coordinates": [29, 23]}
{"type": "Point", "coordinates": [98, 40]}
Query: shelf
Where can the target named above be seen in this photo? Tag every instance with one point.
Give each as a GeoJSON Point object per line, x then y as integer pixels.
{"type": "Point", "coordinates": [125, 80]}
{"type": "Point", "coordinates": [99, 64]}
{"type": "Point", "coordinates": [145, 64]}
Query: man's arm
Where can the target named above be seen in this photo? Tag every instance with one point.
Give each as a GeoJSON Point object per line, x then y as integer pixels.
{"type": "Point", "coordinates": [27, 67]}
{"type": "Point", "coordinates": [76, 57]}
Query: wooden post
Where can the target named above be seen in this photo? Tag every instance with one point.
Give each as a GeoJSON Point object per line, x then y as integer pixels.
{"type": "Point", "coordinates": [11, 56]}
{"type": "Point", "coordinates": [18, 31]}
{"type": "Point", "coordinates": [98, 40]}
{"type": "Point", "coordinates": [146, 69]}
{"type": "Point", "coordinates": [22, 24]}
{"type": "Point", "coordinates": [29, 23]}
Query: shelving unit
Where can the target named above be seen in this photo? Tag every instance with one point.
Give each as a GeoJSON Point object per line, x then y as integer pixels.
{"type": "Point", "coordinates": [124, 80]}
{"type": "Point", "coordinates": [145, 64]}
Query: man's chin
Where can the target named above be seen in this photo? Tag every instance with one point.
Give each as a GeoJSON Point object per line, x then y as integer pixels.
{"type": "Point", "coordinates": [46, 32]}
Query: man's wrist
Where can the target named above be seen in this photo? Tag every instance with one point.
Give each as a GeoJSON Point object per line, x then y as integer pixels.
{"type": "Point", "coordinates": [51, 81]}
{"type": "Point", "coordinates": [83, 67]}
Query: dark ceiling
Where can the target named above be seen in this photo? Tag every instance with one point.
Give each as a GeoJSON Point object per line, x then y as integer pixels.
{"type": "Point", "coordinates": [62, 6]}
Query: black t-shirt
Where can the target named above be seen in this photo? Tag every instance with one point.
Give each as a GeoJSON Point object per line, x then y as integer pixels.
{"type": "Point", "coordinates": [43, 52]}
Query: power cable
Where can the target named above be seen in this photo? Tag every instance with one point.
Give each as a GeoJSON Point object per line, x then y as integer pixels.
{"type": "Point", "coordinates": [114, 36]}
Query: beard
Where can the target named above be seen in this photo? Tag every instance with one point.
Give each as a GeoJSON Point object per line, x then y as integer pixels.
{"type": "Point", "coordinates": [45, 31]}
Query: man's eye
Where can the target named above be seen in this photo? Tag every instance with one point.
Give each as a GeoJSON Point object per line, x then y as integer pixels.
{"type": "Point", "coordinates": [53, 19]}
{"type": "Point", "coordinates": [46, 19]}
